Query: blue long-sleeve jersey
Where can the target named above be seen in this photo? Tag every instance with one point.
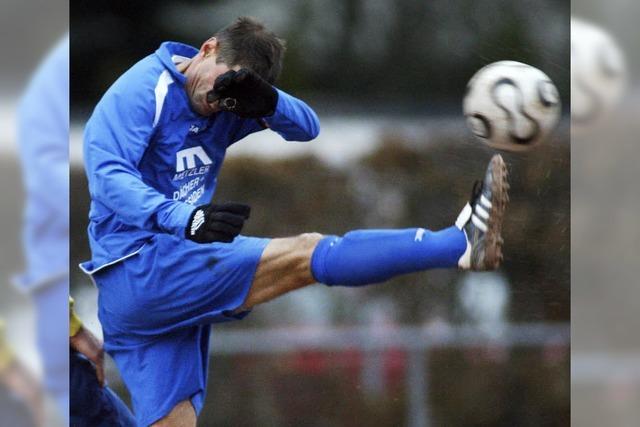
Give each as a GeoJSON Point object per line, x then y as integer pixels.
{"type": "Point", "coordinates": [149, 157]}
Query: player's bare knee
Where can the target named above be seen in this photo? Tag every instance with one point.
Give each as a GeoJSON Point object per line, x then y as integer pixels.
{"type": "Point", "coordinates": [182, 415]}
{"type": "Point", "coordinates": [285, 266]}
{"type": "Point", "coordinates": [304, 247]}
{"type": "Point", "coordinates": [308, 241]}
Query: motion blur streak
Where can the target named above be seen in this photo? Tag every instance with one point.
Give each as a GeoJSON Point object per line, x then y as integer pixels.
{"type": "Point", "coordinates": [34, 212]}
{"type": "Point", "coordinates": [605, 200]}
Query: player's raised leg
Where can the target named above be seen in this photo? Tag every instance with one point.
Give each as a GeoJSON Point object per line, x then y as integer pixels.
{"type": "Point", "coordinates": [371, 256]}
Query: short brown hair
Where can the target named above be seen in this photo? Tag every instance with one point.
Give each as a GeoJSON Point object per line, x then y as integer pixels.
{"type": "Point", "coordinates": [247, 42]}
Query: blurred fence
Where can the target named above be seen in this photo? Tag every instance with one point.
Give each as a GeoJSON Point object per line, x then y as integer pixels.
{"type": "Point", "coordinates": [415, 342]}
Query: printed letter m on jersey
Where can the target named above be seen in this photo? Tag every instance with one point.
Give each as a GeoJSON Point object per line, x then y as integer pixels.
{"type": "Point", "coordinates": [188, 156]}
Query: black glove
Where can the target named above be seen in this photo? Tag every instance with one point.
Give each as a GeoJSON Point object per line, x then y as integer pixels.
{"type": "Point", "coordinates": [244, 93]}
{"type": "Point", "coordinates": [217, 223]}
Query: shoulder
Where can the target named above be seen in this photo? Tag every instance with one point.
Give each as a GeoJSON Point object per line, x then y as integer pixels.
{"type": "Point", "coordinates": [142, 77]}
{"type": "Point", "coordinates": [138, 92]}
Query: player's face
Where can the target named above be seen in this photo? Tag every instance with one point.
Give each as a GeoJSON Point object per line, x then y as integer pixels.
{"type": "Point", "coordinates": [202, 82]}
{"type": "Point", "coordinates": [201, 73]}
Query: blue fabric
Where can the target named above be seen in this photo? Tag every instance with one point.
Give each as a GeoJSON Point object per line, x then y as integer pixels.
{"type": "Point", "coordinates": [371, 256]}
{"type": "Point", "coordinates": [149, 159]}
{"type": "Point", "coordinates": [92, 405]}
{"type": "Point", "coordinates": [156, 307]}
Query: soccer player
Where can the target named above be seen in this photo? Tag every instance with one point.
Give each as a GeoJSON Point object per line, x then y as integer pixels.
{"type": "Point", "coordinates": [168, 263]}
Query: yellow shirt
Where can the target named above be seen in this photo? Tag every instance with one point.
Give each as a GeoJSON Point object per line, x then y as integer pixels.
{"type": "Point", "coordinates": [6, 355]}
{"type": "Point", "coordinates": [74, 321]}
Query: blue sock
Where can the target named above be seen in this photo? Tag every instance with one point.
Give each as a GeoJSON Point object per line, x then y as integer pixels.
{"type": "Point", "coordinates": [370, 256]}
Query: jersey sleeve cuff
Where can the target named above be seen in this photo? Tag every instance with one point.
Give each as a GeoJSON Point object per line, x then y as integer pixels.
{"type": "Point", "coordinates": [179, 218]}
{"type": "Point", "coordinates": [280, 107]}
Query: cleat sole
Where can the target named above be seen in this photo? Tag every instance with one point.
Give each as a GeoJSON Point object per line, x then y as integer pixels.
{"type": "Point", "coordinates": [493, 255]}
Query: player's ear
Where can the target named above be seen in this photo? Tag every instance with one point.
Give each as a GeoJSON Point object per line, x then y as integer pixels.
{"type": "Point", "coordinates": [210, 47]}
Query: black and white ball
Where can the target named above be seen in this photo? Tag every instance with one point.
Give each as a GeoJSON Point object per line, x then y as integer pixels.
{"type": "Point", "coordinates": [511, 106]}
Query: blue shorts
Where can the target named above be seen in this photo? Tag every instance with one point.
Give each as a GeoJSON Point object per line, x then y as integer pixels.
{"type": "Point", "coordinates": [156, 308]}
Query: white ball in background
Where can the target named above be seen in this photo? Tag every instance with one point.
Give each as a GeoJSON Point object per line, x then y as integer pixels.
{"type": "Point", "coordinates": [511, 106]}
{"type": "Point", "coordinates": [598, 74]}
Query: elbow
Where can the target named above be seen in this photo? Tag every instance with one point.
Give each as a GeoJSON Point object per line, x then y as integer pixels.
{"type": "Point", "coordinates": [310, 135]}
{"type": "Point", "coordinates": [302, 134]}
{"type": "Point", "coordinates": [312, 131]}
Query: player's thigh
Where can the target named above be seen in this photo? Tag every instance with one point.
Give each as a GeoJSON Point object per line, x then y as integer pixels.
{"type": "Point", "coordinates": [285, 265]}
{"type": "Point", "coordinates": [182, 415]}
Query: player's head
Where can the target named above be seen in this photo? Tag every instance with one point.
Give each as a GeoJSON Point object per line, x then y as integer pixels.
{"type": "Point", "coordinates": [248, 44]}
{"type": "Point", "coordinates": [245, 43]}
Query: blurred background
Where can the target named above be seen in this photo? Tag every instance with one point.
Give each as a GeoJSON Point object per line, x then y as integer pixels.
{"type": "Point", "coordinates": [30, 29]}
{"type": "Point", "coordinates": [387, 80]}
{"type": "Point", "coordinates": [49, 21]}
{"type": "Point", "coordinates": [604, 195]}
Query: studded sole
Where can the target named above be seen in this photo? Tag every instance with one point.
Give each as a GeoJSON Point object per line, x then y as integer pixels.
{"type": "Point", "coordinates": [500, 199]}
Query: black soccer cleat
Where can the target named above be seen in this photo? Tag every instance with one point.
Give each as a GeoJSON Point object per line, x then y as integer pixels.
{"type": "Point", "coordinates": [481, 219]}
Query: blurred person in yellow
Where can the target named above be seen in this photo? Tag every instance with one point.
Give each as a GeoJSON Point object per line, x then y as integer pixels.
{"type": "Point", "coordinates": [92, 402]}
{"type": "Point", "coordinates": [21, 397]}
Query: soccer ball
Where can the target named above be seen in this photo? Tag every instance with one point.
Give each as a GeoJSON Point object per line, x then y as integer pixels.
{"type": "Point", "coordinates": [511, 106]}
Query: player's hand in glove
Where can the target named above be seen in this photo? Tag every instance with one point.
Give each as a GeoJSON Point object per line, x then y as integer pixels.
{"type": "Point", "coordinates": [217, 223]}
{"type": "Point", "coordinates": [244, 93]}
